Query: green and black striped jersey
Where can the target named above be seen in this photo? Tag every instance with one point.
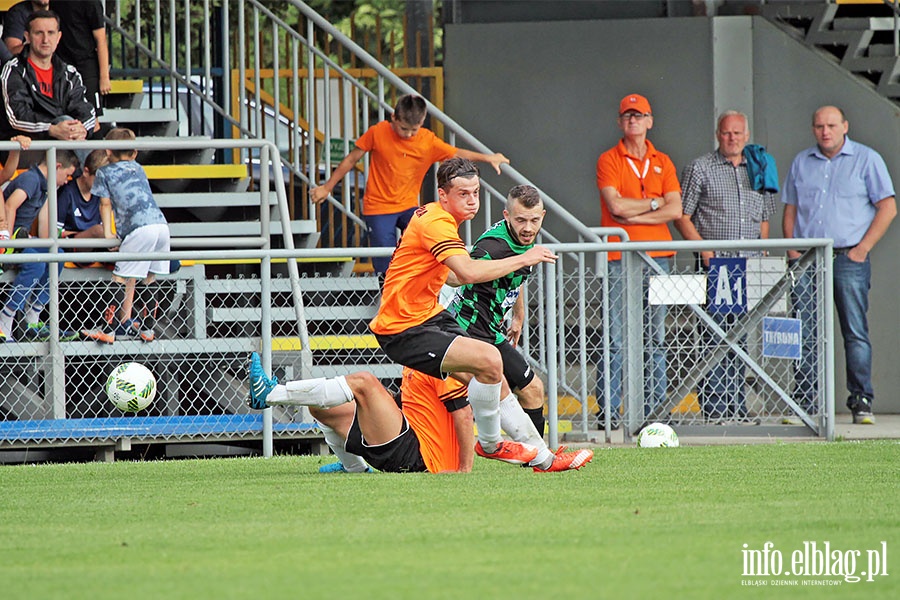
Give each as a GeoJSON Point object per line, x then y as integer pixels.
{"type": "Point", "coordinates": [479, 308]}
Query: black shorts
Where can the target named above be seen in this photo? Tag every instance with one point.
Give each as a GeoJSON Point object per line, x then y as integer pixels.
{"type": "Point", "coordinates": [423, 347]}
{"type": "Point", "coordinates": [515, 368]}
{"type": "Point", "coordinates": [400, 455]}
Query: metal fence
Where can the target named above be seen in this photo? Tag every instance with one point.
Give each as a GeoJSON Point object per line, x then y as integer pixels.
{"type": "Point", "coordinates": [282, 81]}
{"type": "Point", "coordinates": [53, 391]}
{"type": "Point", "coordinates": [744, 347]}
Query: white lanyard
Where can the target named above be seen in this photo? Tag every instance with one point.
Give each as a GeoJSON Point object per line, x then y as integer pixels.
{"type": "Point", "coordinates": [635, 169]}
{"type": "Point", "coordinates": [639, 175]}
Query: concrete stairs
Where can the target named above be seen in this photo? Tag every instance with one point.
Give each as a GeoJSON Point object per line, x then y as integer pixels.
{"type": "Point", "coordinates": [200, 198]}
{"type": "Point", "coordinates": [858, 36]}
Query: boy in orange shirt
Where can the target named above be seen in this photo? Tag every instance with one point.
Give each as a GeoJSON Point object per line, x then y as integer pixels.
{"type": "Point", "coordinates": [401, 152]}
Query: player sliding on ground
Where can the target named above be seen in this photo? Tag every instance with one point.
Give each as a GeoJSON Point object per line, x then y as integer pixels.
{"type": "Point", "coordinates": [370, 424]}
{"type": "Point", "coordinates": [433, 432]}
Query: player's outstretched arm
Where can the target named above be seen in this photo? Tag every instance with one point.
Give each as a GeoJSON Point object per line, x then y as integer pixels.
{"type": "Point", "coordinates": [495, 160]}
{"type": "Point", "coordinates": [318, 194]}
{"type": "Point", "coordinates": [468, 270]}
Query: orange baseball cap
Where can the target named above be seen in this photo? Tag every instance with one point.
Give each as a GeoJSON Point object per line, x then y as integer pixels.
{"type": "Point", "coordinates": [634, 102]}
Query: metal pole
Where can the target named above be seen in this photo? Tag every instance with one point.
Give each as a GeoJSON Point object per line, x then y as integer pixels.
{"type": "Point", "coordinates": [552, 366]}
{"type": "Point", "coordinates": [57, 367]}
{"type": "Point", "coordinates": [266, 292]}
{"type": "Point", "coordinates": [826, 256]}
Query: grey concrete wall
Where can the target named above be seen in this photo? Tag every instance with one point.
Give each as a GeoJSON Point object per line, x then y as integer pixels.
{"type": "Point", "coordinates": [546, 94]}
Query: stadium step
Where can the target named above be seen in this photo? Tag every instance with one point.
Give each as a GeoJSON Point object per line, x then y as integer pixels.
{"type": "Point", "coordinates": [124, 93]}
{"type": "Point", "coordinates": [846, 30]}
{"type": "Point", "coordinates": [144, 122]}
{"type": "Point", "coordinates": [174, 155]}
{"type": "Point", "coordinates": [198, 178]}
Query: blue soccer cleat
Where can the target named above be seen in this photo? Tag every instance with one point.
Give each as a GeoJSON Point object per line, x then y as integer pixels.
{"type": "Point", "coordinates": [338, 467]}
{"type": "Point", "coordinates": [335, 467]}
{"type": "Point", "coordinates": [260, 384]}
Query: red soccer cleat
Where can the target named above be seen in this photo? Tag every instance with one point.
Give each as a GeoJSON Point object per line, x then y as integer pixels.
{"type": "Point", "coordinates": [568, 461]}
{"type": "Point", "coordinates": [511, 452]}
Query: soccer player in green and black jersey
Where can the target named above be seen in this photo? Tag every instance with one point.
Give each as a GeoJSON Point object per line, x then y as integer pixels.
{"type": "Point", "coordinates": [480, 308]}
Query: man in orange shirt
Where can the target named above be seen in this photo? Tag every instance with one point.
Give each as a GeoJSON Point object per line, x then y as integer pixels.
{"type": "Point", "coordinates": [639, 192]}
{"type": "Point", "coordinates": [433, 432]}
{"type": "Point", "coordinates": [402, 151]}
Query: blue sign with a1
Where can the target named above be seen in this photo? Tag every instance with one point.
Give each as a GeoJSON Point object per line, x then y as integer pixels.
{"type": "Point", "coordinates": [726, 286]}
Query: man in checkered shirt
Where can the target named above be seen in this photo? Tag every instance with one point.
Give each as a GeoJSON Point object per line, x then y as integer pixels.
{"type": "Point", "coordinates": [719, 203]}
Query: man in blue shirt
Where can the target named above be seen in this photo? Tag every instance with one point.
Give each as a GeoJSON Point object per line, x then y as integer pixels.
{"type": "Point", "coordinates": [842, 190]}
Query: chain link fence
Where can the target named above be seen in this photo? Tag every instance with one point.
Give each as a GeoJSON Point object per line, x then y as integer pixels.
{"type": "Point", "coordinates": [740, 345]}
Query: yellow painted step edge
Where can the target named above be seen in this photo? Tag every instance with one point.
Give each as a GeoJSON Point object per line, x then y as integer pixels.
{"type": "Point", "coordinates": [126, 86]}
{"type": "Point", "coordinates": [195, 171]}
{"type": "Point", "coordinates": [326, 342]}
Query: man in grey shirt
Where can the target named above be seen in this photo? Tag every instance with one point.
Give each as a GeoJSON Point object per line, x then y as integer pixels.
{"type": "Point", "coordinates": [719, 203]}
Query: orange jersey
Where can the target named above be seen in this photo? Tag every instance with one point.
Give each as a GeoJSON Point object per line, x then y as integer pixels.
{"type": "Point", "coordinates": [423, 399]}
{"type": "Point", "coordinates": [417, 273]}
{"type": "Point", "coordinates": [652, 177]}
{"type": "Point", "coordinates": [398, 166]}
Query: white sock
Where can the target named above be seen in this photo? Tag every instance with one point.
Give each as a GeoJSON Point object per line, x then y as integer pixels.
{"type": "Point", "coordinates": [485, 401]}
{"type": "Point", "coordinates": [519, 426]}
{"type": "Point", "coordinates": [352, 463]}
{"type": "Point", "coordinates": [33, 314]}
{"type": "Point", "coordinates": [321, 392]}
{"type": "Point", "coordinates": [6, 321]}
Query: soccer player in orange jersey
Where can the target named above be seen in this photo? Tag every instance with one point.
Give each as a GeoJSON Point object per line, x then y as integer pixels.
{"type": "Point", "coordinates": [412, 327]}
{"type": "Point", "coordinates": [433, 432]}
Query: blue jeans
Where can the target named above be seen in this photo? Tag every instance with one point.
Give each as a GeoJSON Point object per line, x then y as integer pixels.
{"type": "Point", "coordinates": [383, 232]}
{"type": "Point", "coordinates": [722, 391]}
{"type": "Point", "coordinates": [852, 281]}
{"type": "Point", "coordinates": [31, 280]}
{"type": "Point", "coordinates": [654, 324]}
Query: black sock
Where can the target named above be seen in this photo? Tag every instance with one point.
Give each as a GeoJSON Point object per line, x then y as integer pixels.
{"type": "Point", "coordinates": [537, 417]}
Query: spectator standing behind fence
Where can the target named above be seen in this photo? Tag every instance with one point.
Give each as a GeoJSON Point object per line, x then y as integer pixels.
{"type": "Point", "coordinates": [720, 203]}
{"type": "Point", "coordinates": [26, 205]}
{"type": "Point", "coordinates": [15, 22]}
{"type": "Point", "coordinates": [84, 46]}
{"type": "Point", "coordinates": [43, 96]}
{"type": "Point", "coordinates": [639, 192]}
{"type": "Point", "coordinates": [401, 151]}
{"type": "Point", "coordinates": [838, 189]}
{"type": "Point", "coordinates": [123, 188]}
{"type": "Point", "coordinates": [78, 210]}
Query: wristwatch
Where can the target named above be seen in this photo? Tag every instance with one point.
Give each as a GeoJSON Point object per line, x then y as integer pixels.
{"type": "Point", "coordinates": [654, 204]}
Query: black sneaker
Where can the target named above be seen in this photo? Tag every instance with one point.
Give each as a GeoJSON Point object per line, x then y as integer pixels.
{"type": "Point", "coordinates": [601, 422]}
{"type": "Point", "coordinates": [861, 407]}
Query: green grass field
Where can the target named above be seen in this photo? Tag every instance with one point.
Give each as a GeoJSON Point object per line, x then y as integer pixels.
{"type": "Point", "coordinates": [635, 523]}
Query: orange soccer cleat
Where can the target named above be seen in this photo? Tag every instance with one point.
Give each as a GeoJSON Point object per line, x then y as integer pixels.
{"type": "Point", "coordinates": [568, 461]}
{"type": "Point", "coordinates": [511, 452]}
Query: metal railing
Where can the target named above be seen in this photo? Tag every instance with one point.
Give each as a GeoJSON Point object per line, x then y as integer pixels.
{"type": "Point", "coordinates": [298, 108]}
{"type": "Point", "coordinates": [567, 339]}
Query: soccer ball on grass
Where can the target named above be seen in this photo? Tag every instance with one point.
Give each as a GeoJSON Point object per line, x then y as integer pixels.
{"type": "Point", "coordinates": [657, 435]}
{"type": "Point", "coordinates": [131, 387]}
